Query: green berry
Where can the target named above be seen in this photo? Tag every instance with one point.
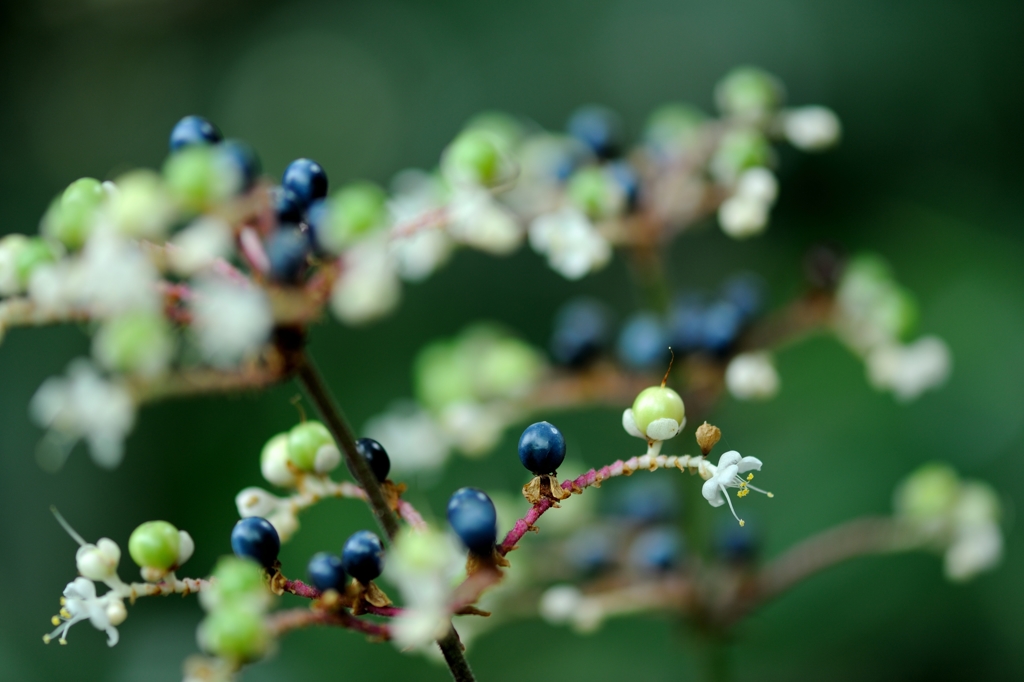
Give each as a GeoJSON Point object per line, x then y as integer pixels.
{"type": "Point", "coordinates": [595, 193]}
{"type": "Point", "coordinates": [355, 210]}
{"type": "Point", "coordinates": [506, 367]}
{"type": "Point", "coordinates": [748, 91]}
{"type": "Point", "coordinates": [142, 208]}
{"type": "Point", "coordinates": [473, 157]}
{"type": "Point", "coordinates": [235, 578]}
{"type": "Point", "coordinates": [154, 544]}
{"type": "Point", "coordinates": [193, 177]}
{"type": "Point", "coordinates": [442, 375]}
{"type": "Point", "coordinates": [928, 493]}
{"type": "Point", "coordinates": [71, 216]}
{"type": "Point", "coordinates": [504, 130]}
{"type": "Point", "coordinates": [657, 402]}
{"type": "Point", "coordinates": [674, 125]}
{"type": "Point", "coordinates": [31, 254]}
{"type": "Point", "coordinates": [303, 442]}
{"type": "Point", "coordinates": [739, 150]}
{"type": "Point", "coordinates": [134, 342]}
{"type": "Point", "coordinates": [235, 633]}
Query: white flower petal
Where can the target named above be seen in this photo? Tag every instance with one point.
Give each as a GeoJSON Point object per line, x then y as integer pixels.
{"type": "Point", "coordinates": [749, 464]}
{"type": "Point", "coordinates": [728, 458]}
{"type": "Point", "coordinates": [712, 492]}
{"type": "Point", "coordinates": [629, 424]}
{"type": "Point", "coordinates": [662, 429]}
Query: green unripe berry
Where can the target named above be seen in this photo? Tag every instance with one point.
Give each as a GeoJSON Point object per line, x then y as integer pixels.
{"type": "Point", "coordinates": [657, 402]}
{"type": "Point", "coordinates": [193, 177]}
{"type": "Point", "coordinates": [30, 254]}
{"type": "Point", "coordinates": [748, 91]}
{"type": "Point", "coordinates": [355, 210]}
{"type": "Point", "coordinates": [142, 207]}
{"type": "Point", "coordinates": [929, 492]}
{"type": "Point", "coordinates": [134, 342]}
{"type": "Point", "coordinates": [473, 157]}
{"type": "Point", "coordinates": [442, 376]}
{"type": "Point", "coordinates": [155, 544]}
{"type": "Point", "coordinates": [739, 150]}
{"type": "Point", "coordinates": [303, 442]}
{"type": "Point", "coordinates": [505, 368]}
{"type": "Point", "coordinates": [235, 633]}
{"type": "Point", "coordinates": [505, 130]}
{"type": "Point", "coordinates": [674, 125]}
{"type": "Point", "coordinates": [71, 216]}
{"type": "Point", "coordinates": [83, 193]}
{"type": "Point", "coordinates": [595, 193]}
{"type": "Point", "coordinates": [236, 578]}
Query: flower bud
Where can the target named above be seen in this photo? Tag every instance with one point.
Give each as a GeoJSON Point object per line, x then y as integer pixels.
{"type": "Point", "coordinates": [327, 458]}
{"type": "Point", "coordinates": [98, 562]}
{"type": "Point", "coordinates": [304, 441]}
{"type": "Point", "coordinates": [255, 501]}
{"type": "Point", "coordinates": [235, 580]}
{"type": "Point", "coordinates": [186, 547]}
{"type": "Point", "coordinates": [274, 462]}
{"type": "Point", "coordinates": [812, 128]}
{"type": "Point", "coordinates": [233, 633]}
{"type": "Point", "coordinates": [707, 436]}
{"type": "Point", "coordinates": [116, 612]}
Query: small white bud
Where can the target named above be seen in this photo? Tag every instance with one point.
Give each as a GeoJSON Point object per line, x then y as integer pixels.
{"type": "Point", "coordinates": [812, 128]}
{"type": "Point", "coordinates": [559, 604]}
{"type": "Point", "coordinates": [752, 376]}
{"type": "Point", "coordinates": [327, 458]}
{"type": "Point", "coordinates": [284, 522]}
{"type": "Point", "coordinates": [116, 612]}
{"type": "Point", "coordinates": [98, 562]}
{"type": "Point", "coordinates": [186, 546]}
{"type": "Point", "coordinates": [758, 183]}
{"type": "Point", "coordinates": [741, 216]}
{"type": "Point", "coordinates": [255, 501]}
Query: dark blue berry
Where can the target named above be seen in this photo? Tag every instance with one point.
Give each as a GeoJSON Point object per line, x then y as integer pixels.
{"type": "Point", "coordinates": [627, 179]}
{"type": "Point", "coordinates": [376, 456]}
{"type": "Point", "coordinates": [581, 332]}
{"type": "Point", "coordinates": [590, 550]}
{"type": "Point", "coordinates": [307, 179]}
{"type": "Point", "coordinates": [746, 292]}
{"type": "Point", "coordinates": [193, 130]}
{"type": "Point", "coordinates": [646, 501]}
{"type": "Point", "coordinates": [288, 252]}
{"type": "Point", "coordinates": [363, 556]}
{"type": "Point", "coordinates": [326, 572]}
{"type": "Point", "coordinates": [256, 538]}
{"type": "Point", "coordinates": [723, 322]}
{"type": "Point", "coordinates": [656, 550]}
{"type": "Point", "coordinates": [734, 544]}
{"type": "Point", "coordinates": [243, 160]}
{"type": "Point", "coordinates": [599, 129]}
{"type": "Point", "coordinates": [287, 207]}
{"type": "Point", "coordinates": [473, 518]}
{"type": "Point", "coordinates": [541, 448]}
{"type": "Point", "coordinates": [643, 342]}
{"type": "Point", "coordinates": [686, 324]}
{"type": "Point", "coordinates": [317, 215]}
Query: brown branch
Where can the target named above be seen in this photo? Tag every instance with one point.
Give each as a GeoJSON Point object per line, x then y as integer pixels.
{"type": "Point", "coordinates": [281, 622]}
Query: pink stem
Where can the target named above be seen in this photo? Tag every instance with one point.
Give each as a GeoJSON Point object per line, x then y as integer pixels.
{"type": "Point", "coordinates": [252, 250]}
{"type": "Point", "coordinates": [411, 516]}
{"type": "Point", "coordinates": [592, 477]}
{"type": "Point", "coordinates": [293, 619]}
{"type": "Point", "coordinates": [301, 589]}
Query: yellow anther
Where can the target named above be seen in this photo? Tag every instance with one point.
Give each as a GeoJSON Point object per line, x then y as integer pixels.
{"type": "Point", "coordinates": [742, 523]}
{"type": "Point", "coordinates": [750, 477]}
{"type": "Point", "coordinates": [63, 601]}
{"type": "Point", "coordinates": [65, 613]}
{"type": "Point", "coordinates": [64, 641]}
{"type": "Point", "coordinates": [46, 639]}
{"type": "Point", "coordinates": [55, 620]}
{"type": "Point", "coordinates": [743, 493]}
{"type": "Point", "coordinates": [770, 494]}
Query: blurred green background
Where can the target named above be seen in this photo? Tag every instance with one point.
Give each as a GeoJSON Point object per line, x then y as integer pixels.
{"type": "Point", "coordinates": [928, 174]}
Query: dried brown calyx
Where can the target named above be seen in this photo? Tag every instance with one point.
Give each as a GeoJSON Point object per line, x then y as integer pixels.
{"type": "Point", "coordinates": [707, 436]}
{"type": "Point", "coordinates": [544, 487]}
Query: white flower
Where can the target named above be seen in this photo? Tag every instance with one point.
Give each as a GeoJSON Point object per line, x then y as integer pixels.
{"type": "Point", "coordinates": [418, 255]}
{"type": "Point", "coordinates": [98, 562]}
{"type": "Point", "coordinates": [231, 320]}
{"type": "Point", "coordinates": [726, 475]}
{"type": "Point", "coordinates": [368, 287]}
{"type": "Point", "coordinates": [422, 564]}
{"type": "Point", "coordinates": [255, 501]}
{"type": "Point", "coordinates": [658, 430]}
{"type": "Point", "coordinates": [974, 549]}
{"type": "Point", "coordinates": [415, 440]}
{"type": "Point", "coordinates": [811, 128]}
{"type": "Point", "coordinates": [910, 370]}
{"type": "Point", "coordinates": [476, 219]}
{"type": "Point", "coordinates": [81, 603]}
{"type": "Point", "coordinates": [9, 248]}
{"type": "Point", "coordinates": [742, 216]}
{"type": "Point", "coordinates": [114, 276]}
{"type": "Point", "coordinates": [758, 183]}
{"type": "Point", "coordinates": [200, 244]}
{"type": "Point", "coordinates": [85, 405]}
{"type": "Point", "coordinates": [473, 428]}
{"type": "Point", "coordinates": [572, 244]}
{"type": "Point", "coordinates": [752, 376]}
{"type": "Point", "coordinates": [559, 603]}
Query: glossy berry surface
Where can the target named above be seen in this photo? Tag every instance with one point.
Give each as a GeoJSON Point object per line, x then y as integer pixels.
{"type": "Point", "coordinates": [541, 448]}
{"type": "Point", "coordinates": [723, 322]}
{"type": "Point", "coordinates": [287, 206]}
{"type": "Point", "coordinates": [193, 130]}
{"type": "Point", "coordinates": [686, 324]}
{"type": "Point", "coordinates": [155, 544]}
{"type": "Point", "coordinates": [307, 179]}
{"type": "Point", "coordinates": [376, 456]}
{"type": "Point", "coordinates": [473, 518]}
{"type": "Point", "coordinates": [643, 342]}
{"type": "Point", "coordinates": [256, 538]}
{"type": "Point", "coordinates": [581, 332]}
{"type": "Point", "coordinates": [304, 440]}
{"type": "Point", "coordinates": [647, 501]}
{"type": "Point", "coordinates": [599, 129]}
{"type": "Point", "coordinates": [657, 402]}
{"type": "Point", "coordinates": [746, 292]}
{"type": "Point", "coordinates": [287, 252]}
{"type": "Point", "coordinates": [363, 556]}
{"type": "Point", "coordinates": [326, 572]}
